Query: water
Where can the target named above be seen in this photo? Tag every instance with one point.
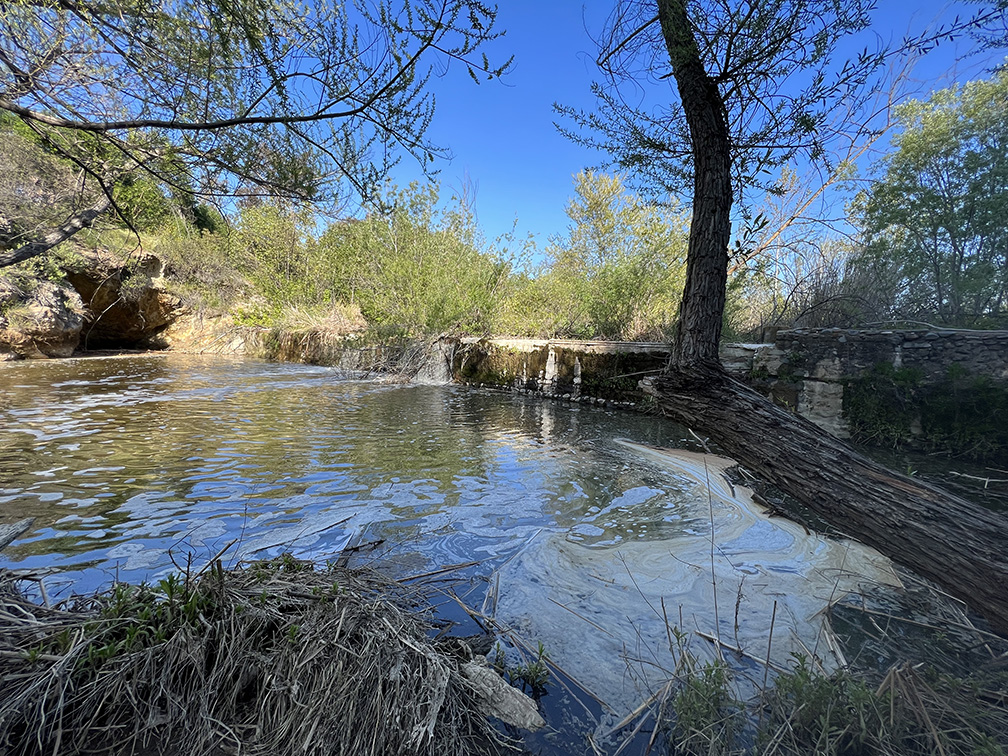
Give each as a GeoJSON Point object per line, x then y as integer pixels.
{"type": "Point", "coordinates": [583, 541]}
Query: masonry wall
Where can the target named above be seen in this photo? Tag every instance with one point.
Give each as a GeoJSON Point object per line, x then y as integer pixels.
{"type": "Point", "coordinates": [807, 369]}
{"type": "Point", "coordinates": [933, 353]}
{"type": "Point", "coordinates": [804, 369]}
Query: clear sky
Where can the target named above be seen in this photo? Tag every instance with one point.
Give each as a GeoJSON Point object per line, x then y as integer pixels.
{"type": "Point", "coordinates": [502, 134]}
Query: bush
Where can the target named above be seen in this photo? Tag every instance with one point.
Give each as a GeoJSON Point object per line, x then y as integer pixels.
{"type": "Point", "coordinates": [618, 273]}
{"type": "Point", "coordinates": [415, 267]}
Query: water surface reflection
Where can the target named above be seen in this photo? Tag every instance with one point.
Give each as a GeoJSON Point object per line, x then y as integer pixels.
{"type": "Point", "coordinates": [128, 463]}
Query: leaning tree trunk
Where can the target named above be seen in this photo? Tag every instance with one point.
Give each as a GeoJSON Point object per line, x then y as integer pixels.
{"type": "Point", "coordinates": [959, 545]}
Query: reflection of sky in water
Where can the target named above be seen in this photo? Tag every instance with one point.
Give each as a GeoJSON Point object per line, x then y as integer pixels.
{"type": "Point", "coordinates": [130, 463]}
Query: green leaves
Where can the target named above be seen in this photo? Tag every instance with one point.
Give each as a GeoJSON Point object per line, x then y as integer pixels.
{"type": "Point", "coordinates": [772, 63]}
{"type": "Point", "coordinates": [282, 98]}
{"type": "Point", "coordinates": [937, 219]}
{"type": "Point", "coordinates": [618, 273]}
{"type": "Point", "coordinates": [418, 267]}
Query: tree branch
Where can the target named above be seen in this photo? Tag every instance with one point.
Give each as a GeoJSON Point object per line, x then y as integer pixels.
{"type": "Point", "coordinates": [76, 222]}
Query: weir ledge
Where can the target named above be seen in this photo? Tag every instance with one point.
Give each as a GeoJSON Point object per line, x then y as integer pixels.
{"type": "Point", "coordinates": [806, 370]}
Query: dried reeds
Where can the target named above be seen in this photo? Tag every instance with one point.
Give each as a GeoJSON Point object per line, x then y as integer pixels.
{"type": "Point", "coordinates": [269, 658]}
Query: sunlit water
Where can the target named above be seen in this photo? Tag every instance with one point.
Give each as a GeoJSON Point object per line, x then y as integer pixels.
{"type": "Point", "coordinates": [584, 542]}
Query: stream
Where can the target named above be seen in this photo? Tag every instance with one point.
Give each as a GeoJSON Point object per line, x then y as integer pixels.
{"type": "Point", "coordinates": [591, 531]}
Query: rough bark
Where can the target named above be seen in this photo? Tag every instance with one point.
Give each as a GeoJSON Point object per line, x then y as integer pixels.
{"type": "Point", "coordinates": [957, 544]}
{"type": "Point", "coordinates": [700, 312]}
{"type": "Point", "coordinates": [8, 533]}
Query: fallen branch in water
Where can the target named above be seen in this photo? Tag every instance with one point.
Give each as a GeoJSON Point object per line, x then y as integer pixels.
{"type": "Point", "coordinates": [10, 532]}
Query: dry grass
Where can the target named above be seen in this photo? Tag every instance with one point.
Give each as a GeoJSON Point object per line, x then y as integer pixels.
{"type": "Point", "coordinates": [952, 700]}
{"type": "Point", "coordinates": [269, 658]}
{"type": "Point", "coordinates": [335, 320]}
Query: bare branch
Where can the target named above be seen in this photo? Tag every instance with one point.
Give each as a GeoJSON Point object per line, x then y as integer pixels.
{"type": "Point", "coordinates": [75, 223]}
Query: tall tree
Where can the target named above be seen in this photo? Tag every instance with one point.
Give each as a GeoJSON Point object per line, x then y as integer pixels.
{"type": "Point", "coordinates": [712, 97]}
{"type": "Point", "coordinates": [937, 218]}
{"type": "Point", "coordinates": [621, 261]}
{"type": "Point", "coordinates": [268, 96]}
{"type": "Point", "coordinates": [754, 82]}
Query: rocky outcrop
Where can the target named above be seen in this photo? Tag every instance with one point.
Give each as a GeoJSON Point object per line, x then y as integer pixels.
{"type": "Point", "coordinates": [38, 318]}
{"type": "Point", "coordinates": [126, 307]}
{"type": "Point", "coordinates": [207, 333]}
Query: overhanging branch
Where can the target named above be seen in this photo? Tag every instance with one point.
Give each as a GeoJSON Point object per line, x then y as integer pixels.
{"type": "Point", "coordinates": [76, 222]}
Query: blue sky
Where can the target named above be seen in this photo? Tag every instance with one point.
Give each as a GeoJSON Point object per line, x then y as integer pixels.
{"type": "Point", "coordinates": [501, 134]}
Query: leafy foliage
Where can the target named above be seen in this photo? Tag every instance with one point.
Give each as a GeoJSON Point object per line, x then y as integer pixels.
{"type": "Point", "coordinates": [209, 98]}
{"type": "Point", "coordinates": [708, 718]}
{"type": "Point", "coordinates": [37, 189]}
{"type": "Point", "coordinates": [772, 62]}
{"type": "Point", "coordinates": [937, 220]}
{"type": "Point", "coordinates": [617, 273]}
{"type": "Point", "coordinates": [417, 267]}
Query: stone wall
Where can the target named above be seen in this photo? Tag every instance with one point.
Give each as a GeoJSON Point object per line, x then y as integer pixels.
{"type": "Point", "coordinates": [808, 369]}
{"type": "Point", "coordinates": [932, 353]}
{"type": "Point", "coordinates": [581, 371]}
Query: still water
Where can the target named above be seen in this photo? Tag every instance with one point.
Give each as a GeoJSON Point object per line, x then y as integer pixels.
{"type": "Point", "coordinates": [588, 529]}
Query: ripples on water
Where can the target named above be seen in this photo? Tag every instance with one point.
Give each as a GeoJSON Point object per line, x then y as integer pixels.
{"type": "Point", "coordinates": [120, 459]}
{"type": "Point", "coordinates": [129, 462]}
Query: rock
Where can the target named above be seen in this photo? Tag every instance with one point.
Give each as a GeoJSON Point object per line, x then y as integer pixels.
{"type": "Point", "coordinates": [498, 699]}
{"type": "Point", "coordinates": [38, 319]}
{"type": "Point", "coordinates": [126, 306]}
{"type": "Point", "coordinates": [202, 333]}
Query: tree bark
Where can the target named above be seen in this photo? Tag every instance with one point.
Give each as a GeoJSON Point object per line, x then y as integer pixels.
{"type": "Point", "coordinates": [698, 330]}
{"type": "Point", "coordinates": [8, 533]}
{"type": "Point", "coordinates": [957, 544]}
{"type": "Point", "coordinates": [77, 222]}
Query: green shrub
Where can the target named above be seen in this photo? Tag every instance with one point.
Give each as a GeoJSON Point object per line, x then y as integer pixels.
{"type": "Point", "coordinates": [416, 267]}
{"type": "Point", "coordinates": [618, 273]}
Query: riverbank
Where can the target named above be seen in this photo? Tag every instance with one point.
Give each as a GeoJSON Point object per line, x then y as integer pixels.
{"type": "Point", "coordinates": [283, 657]}
{"type": "Point", "coordinates": [922, 390]}
{"type": "Point", "coordinates": [129, 463]}
{"type": "Point", "coordinates": [928, 389]}
{"type": "Point", "coordinates": [274, 656]}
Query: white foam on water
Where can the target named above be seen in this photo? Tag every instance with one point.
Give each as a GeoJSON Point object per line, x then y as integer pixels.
{"type": "Point", "coordinates": [597, 607]}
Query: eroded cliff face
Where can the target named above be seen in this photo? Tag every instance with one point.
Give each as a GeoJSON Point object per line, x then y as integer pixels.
{"type": "Point", "coordinates": [125, 303]}
{"type": "Point", "coordinates": [103, 303]}
{"type": "Point", "coordinates": [38, 319]}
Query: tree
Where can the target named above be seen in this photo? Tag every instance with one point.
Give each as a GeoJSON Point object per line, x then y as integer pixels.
{"type": "Point", "coordinates": [621, 261]}
{"type": "Point", "coordinates": [267, 96]}
{"type": "Point", "coordinates": [420, 267]}
{"type": "Point", "coordinates": [754, 81]}
{"type": "Point", "coordinates": [751, 85]}
{"type": "Point", "coordinates": [37, 190]}
{"type": "Point", "coordinates": [937, 219]}
{"type": "Point", "coordinates": [713, 97]}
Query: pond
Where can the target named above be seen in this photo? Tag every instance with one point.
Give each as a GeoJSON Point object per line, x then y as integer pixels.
{"type": "Point", "coordinates": [588, 530]}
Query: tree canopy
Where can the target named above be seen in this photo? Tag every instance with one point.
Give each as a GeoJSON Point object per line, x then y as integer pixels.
{"type": "Point", "coordinates": [773, 66]}
{"type": "Point", "coordinates": [215, 97]}
{"type": "Point", "coordinates": [712, 97]}
{"type": "Point", "coordinates": [936, 221]}
{"type": "Point", "coordinates": [618, 271]}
